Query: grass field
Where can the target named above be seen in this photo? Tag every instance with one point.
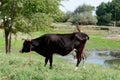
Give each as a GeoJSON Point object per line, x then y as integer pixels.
{"type": "Point", "coordinates": [12, 67]}
{"type": "Point", "coordinates": [101, 43]}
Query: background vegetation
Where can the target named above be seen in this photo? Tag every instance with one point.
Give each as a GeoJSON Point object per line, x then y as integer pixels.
{"type": "Point", "coordinates": [26, 16]}
{"type": "Point", "coordinates": [108, 13]}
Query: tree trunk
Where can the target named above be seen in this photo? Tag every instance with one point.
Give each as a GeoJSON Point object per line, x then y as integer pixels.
{"type": "Point", "coordinates": [10, 41]}
{"type": "Point", "coordinates": [8, 24]}
{"type": "Point", "coordinates": [7, 46]}
{"type": "Point", "coordinates": [8, 33]}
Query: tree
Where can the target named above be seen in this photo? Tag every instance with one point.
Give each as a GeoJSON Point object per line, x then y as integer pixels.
{"type": "Point", "coordinates": [103, 14]}
{"type": "Point", "coordinates": [8, 13]}
{"type": "Point", "coordinates": [115, 10]}
{"type": "Point", "coordinates": [26, 16]}
{"type": "Point", "coordinates": [84, 8]}
{"type": "Point", "coordinates": [85, 18]}
{"type": "Point", "coordinates": [108, 13]}
{"type": "Point", "coordinates": [66, 17]}
{"type": "Point", "coordinates": [83, 15]}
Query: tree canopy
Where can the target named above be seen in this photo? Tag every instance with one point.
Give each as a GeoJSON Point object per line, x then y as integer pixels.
{"type": "Point", "coordinates": [108, 13]}
{"type": "Point", "coordinates": [27, 15]}
{"type": "Point", "coordinates": [83, 8]}
{"type": "Point", "coordinates": [83, 15]}
{"type": "Point", "coordinates": [103, 14]}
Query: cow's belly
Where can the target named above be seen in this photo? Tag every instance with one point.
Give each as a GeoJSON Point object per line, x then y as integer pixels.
{"type": "Point", "coordinates": [63, 53]}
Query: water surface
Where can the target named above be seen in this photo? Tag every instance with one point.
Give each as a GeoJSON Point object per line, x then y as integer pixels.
{"type": "Point", "coordinates": [104, 58]}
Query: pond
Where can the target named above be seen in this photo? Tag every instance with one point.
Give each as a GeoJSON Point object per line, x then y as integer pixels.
{"type": "Point", "coordinates": [104, 58]}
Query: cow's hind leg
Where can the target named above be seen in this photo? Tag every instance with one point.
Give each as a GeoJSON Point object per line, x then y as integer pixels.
{"type": "Point", "coordinates": [78, 56]}
{"type": "Point", "coordinates": [46, 61]}
{"type": "Point", "coordinates": [79, 52]}
{"type": "Point", "coordinates": [84, 58]}
{"type": "Point", "coordinates": [51, 60]}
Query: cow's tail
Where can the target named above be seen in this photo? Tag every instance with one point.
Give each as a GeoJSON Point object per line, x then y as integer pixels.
{"type": "Point", "coordinates": [78, 28]}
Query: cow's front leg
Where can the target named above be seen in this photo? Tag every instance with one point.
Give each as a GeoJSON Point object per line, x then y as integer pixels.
{"type": "Point", "coordinates": [51, 60]}
{"type": "Point", "coordinates": [46, 61]}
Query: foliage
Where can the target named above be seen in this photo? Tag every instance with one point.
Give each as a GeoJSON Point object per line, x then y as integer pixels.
{"type": "Point", "coordinates": [48, 7]}
{"type": "Point", "coordinates": [83, 15]}
{"type": "Point", "coordinates": [84, 18]}
{"type": "Point", "coordinates": [26, 16]}
{"type": "Point", "coordinates": [41, 21]}
{"type": "Point", "coordinates": [9, 10]}
{"type": "Point", "coordinates": [103, 15]}
{"type": "Point", "coordinates": [108, 13]}
{"type": "Point", "coordinates": [83, 8]}
{"type": "Point", "coordinates": [21, 24]}
{"type": "Point", "coordinates": [31, 9]}
{"type": "Point", "coordinates": [66, 17]}
{"type": "Point", "coordinates": [115, 5]}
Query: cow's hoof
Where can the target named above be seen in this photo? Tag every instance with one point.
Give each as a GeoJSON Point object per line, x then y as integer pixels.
{"type": "Point", "coordinates": [76, 69]}
{"type": "Point", "coordinates": [50, 68]}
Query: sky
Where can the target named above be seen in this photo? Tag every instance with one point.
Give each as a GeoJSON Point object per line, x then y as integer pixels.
{"type": "Point", "coordinates": [71, 5]}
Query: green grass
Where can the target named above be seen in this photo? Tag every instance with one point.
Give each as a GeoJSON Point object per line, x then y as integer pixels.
{"type": "Point", "coordinates": [13, 68]}
{"type": "Point", "coordinates": [102, 43]}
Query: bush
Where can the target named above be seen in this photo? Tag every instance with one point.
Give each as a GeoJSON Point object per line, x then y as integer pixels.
{"type": "Point", "coordinates": [85, 18]}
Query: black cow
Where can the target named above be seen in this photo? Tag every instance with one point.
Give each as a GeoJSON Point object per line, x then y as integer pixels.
{"type": "Point", "coordinates": [62, 44]}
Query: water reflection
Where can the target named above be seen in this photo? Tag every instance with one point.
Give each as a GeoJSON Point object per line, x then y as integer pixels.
{"type": "Point", "coordinates": [113, 61]}
{"type": "Point", "coordinates": [104, 58]}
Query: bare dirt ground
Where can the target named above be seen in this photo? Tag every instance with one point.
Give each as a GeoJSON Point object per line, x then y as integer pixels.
{"type": "Point", "coordinates": [108, 32]}
{"type": "Point", "coordinates": [114, 33]}
{"type": "Point", "coordinates": [117, 37]}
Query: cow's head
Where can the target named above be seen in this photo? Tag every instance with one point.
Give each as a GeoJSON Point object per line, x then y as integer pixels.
{"type": "Point", "coordinates": [26, 46]}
